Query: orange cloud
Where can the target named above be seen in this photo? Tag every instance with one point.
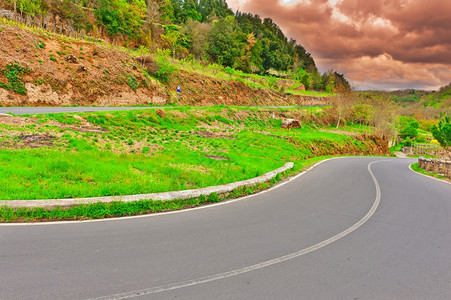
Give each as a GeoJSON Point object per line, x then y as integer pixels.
{"type": "Point", "coordinates": [381, 44]}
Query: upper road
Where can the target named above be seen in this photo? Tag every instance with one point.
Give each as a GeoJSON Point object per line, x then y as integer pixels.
{"type": "Point", "coordinates": [48, 110]}
{"type": "Point", "coordinates": [351, 228]}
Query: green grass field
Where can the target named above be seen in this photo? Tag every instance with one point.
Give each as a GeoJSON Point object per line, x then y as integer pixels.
{"type": "Point", "coordinates": [144, 151]}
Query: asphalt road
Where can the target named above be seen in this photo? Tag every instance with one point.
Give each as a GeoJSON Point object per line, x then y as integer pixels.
{"type": "Point", "coordinates": [48, 110]}
{"type": "Point", "coordinates": [336, 232]}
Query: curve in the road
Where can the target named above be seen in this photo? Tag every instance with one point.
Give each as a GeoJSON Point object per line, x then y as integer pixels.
{"type": "Point", "coordinates": [261, 265]}
{"type": "Point", "coordinates": [398, 248]}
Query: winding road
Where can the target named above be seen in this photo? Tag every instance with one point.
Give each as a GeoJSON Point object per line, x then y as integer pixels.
{"type": "Point", "coordinates": [69, 109]}
{"type": "Point", "coordinates": [350, 228]}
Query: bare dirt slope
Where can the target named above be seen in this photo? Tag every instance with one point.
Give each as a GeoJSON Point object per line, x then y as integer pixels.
{"type": "Point", "coordinates": [64, 71]}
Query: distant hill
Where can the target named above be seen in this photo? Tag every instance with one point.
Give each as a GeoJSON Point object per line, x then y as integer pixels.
{"type": "Point", "coordinates": [418, 103]}
{"type": "Point", "coordinates": [202, 30]}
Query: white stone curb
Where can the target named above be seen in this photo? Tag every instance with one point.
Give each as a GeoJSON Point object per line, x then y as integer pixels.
{"type": "Point", "coordinates": [186, 194]}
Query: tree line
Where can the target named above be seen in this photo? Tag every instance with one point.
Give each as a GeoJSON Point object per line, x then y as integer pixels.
{"type": "Point", "coordinates": [205, 30]}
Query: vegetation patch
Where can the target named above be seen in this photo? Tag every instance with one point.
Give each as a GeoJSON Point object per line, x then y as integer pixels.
{"type": "Point", "coordinates": [145, 151]}
{"type": "Point", "coordinates": [13, 74]}
{"type": "Point", "coordinates": [122, 209]}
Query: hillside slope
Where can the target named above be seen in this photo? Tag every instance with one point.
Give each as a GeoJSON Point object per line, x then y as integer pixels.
{"type": "Point", "coordinates": [39, 68]}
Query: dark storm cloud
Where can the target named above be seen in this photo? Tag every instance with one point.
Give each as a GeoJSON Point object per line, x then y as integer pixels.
{"type": "Point", "coordinates": [374, 42]}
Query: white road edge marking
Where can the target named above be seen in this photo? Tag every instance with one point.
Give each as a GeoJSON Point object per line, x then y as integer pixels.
{"type": "Point", "coordinates": [187, 283]}
{"type": "Point", "coordinates": [430, 177]}
{"type": "Point", "coordinates": [172, 212]}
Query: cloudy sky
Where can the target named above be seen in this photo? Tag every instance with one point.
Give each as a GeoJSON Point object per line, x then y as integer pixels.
{"type": "Point", "coordinates": [377, 44]}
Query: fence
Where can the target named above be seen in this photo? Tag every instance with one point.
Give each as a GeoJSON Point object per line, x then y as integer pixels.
{"type": "Point", "coordinates": [424, 148]}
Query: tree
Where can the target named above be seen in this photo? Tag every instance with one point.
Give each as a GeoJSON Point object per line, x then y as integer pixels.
{"type": "Point", "coordinates": [122, 17]}
{"type": "Point", "coordinates": [197, 34]}
{"type": "Point", "coordinates": [442, 132]}
{"type": "Point", "coordinates": [304, 77]}
{"type": "Point", "coordinates": [191, 9]}
{"type": "Point", "coordinates": [251, 60]}
{"type": "Point", "coordinates": [408, 127]}
{"type": "Point", "coordinates": [341, 82]}
{"type": "Point", "coordinates": [160, 10]}
{"type": "Point", "coordinates": [213, 8]}
{"type": "Point", "coordinates": [341, 104]}
{"type": "Point", "coordinates": [226, 42]}
{"type": "Point", "coordinates": [317, 81]}
{"type": "Point", "coordinates": [174, 39]}
{"type": "Point", "coordinates": [329, 82]}
{"type": "Point", "coordinates": [31, 7]}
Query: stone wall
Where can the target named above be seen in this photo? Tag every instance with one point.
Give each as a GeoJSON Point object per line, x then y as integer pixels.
{"type": "Point", "coordinates": [438, 166]}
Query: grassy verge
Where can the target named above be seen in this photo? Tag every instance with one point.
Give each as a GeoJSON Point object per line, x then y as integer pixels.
{"type": "Point", "coordinates": [122, 209]}
{"type": "Point", "coordinates": [309, 93]}
{"type": "Point", "coordinates": [144, 151]}
{"type": "Point", "coordinates": [416, 168]}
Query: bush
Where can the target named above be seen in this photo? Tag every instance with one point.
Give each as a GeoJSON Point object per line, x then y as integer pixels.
{"type": "Point", "coordinates": [408, 127]}
{"type": "Point", "coordinates": [132, 83]}
{"type": "Point", "coordinates": [164, 69]}
{"type": "Point", "coordinates": [442, 132]}
{"type": "Point", "coordinates": [32, 7]}
{"type": "Point", "coordinates": [214, 68]}
{"type": "Point", "coordinates": [407, 142]}
{"type": "Point", "coordinates": [421, 139]}
{"type": "Point", "coordinates": [230, 71]}
{"type": "Point", "coordinates": [427, 124]}
{"type": "Point", "coordinates": [213, 197]}
{"type": "Point", "coordinates": [272, 82]}
{"type": "Point", "coordinates": [12, 72]}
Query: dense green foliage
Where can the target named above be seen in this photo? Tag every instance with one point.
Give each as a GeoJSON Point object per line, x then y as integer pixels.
{"type": "Point", "coordinates": [121, 16]}
{"type": "Point", "coordinates": [205, 30]}
{"type": "Point", "coordinates": [442, 132]}
{"type": "Point", "coordinates": [165, 69]}
{"type": "Point", "coordinates": [31, 7]}
{"type": "Point", "coordinates": [408, 127]}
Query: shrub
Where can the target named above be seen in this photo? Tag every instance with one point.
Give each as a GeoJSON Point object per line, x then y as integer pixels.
{"type": "Point", "coordinates": [408, 127]}
{"type": "Point", "coordinates": [213, 197]}
{"type": "Point", "coordinates": [421, 139]}
{"type": "Point", "coordinates": [132, 83]}
{"type": "Point", "coordinates": [214, 68]}
{"type": "Point", "coordinates": [230, 71]}
{"type": "Point", "coordinates": [145, 84]}
{"type": "Point", "coordinates": [407, 142]}
{"type": "Point", "coordinates": [272, 82]}
{"type": "Point", "coordinates": [165, 69]}
{"type": "Point", "coordinates": [12, 73]}
{"type": "Point", "coordinates": [40, 45]}
{"type": "Point", "coordinates": [442, 132]}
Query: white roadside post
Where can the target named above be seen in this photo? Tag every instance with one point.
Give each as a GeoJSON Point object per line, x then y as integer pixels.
{"type": "Point", "coordinates": [179, 90]}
